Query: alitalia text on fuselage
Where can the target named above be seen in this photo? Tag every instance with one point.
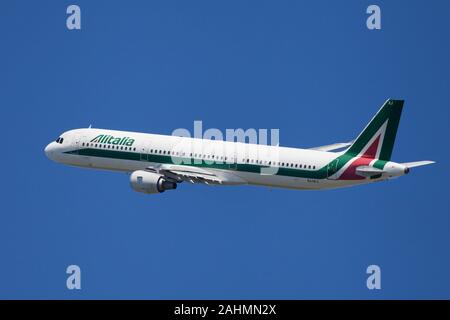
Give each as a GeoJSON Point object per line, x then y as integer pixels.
{"type": "Point", "coordinates": [108, 139]}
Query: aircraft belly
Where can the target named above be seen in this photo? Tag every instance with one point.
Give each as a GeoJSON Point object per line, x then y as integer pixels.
{"type": "Point", "coordinates": [230, 177]}
{"type": "Point", "coordinates": [296, 183]}
{"type": "Point", "coordinates": [107, 163]}
{"type": "Point", "coordinates": [280, 181]}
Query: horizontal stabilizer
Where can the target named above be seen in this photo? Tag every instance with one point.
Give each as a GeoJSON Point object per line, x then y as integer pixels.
{"type": "Point", "coordinates": [417, 163]}
{"type": "Point", "coordinates": [333, 146]}
{"type": "Point", "coordinates": [368, 171]}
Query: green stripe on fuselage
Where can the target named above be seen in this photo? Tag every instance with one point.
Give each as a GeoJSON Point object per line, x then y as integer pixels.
{"type": "Point", "coordinates": [165, 159]}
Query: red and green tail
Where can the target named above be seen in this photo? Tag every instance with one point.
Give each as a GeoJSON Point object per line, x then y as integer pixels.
{"type": "Point", "coordinates": [377, 139]}
{"type": "Point", "coordinates": [373, 146]}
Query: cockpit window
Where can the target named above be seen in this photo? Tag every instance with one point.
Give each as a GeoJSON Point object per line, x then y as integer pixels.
{"type": "Point", "coordinates": [60, 140]}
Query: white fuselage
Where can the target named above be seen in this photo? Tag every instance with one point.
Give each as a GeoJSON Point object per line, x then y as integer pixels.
{"type": "Point", "coordinates": [236, 163]}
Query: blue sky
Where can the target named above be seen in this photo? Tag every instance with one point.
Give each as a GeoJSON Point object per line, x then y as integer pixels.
{"type": "Point", "coordinates": [310, 68]}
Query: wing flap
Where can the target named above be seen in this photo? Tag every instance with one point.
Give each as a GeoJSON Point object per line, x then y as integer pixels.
{"type": "Point", "coordinates": [196, 177]}
{"type": "Point", "coordinates": [192, 174]}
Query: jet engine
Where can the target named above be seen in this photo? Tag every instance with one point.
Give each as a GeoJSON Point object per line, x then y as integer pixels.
{"type": "Point", "coordinates": [149, 182]}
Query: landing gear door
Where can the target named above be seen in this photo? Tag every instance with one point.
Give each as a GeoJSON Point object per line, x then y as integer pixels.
{"type": "Point", "coordinates": [332, 169]}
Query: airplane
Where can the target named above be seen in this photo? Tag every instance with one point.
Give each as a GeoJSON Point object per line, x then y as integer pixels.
{"type": "Point", "coordinates": [157, 163]}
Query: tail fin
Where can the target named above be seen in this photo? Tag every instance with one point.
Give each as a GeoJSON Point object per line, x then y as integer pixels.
{"type": "Point", "coordinates": [378, 137]}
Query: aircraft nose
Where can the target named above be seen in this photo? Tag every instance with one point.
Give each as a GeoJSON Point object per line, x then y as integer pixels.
{"type": "Point", "coordinates": [49, 150]}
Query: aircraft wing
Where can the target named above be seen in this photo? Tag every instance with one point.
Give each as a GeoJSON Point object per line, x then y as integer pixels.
{"type": "Point", "coordinates": [333, 146]}
{"type": "Point", "coordinates": [192, 174]}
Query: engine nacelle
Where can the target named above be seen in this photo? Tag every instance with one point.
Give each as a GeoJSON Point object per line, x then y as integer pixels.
{"type": "Point", "coordinates": [149, 182]}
